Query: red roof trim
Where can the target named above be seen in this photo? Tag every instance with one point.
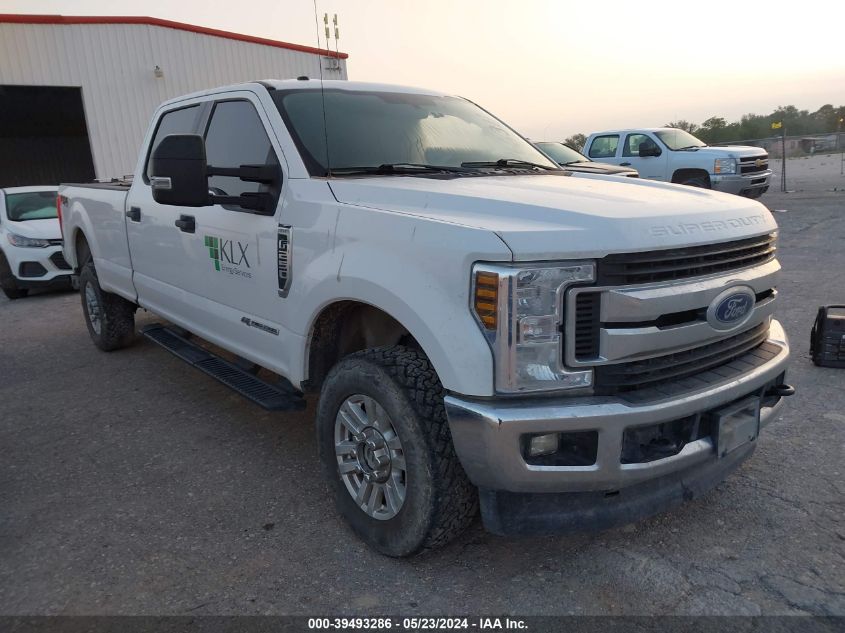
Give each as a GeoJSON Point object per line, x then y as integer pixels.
{"type": "Point", "coordinates": [168, 24]}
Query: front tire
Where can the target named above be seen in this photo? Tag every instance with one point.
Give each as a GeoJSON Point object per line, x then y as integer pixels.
{"type": "Point", "coordinates": [386, 449]}
{"type": "Point", "coordinates": [7, 281]}
{"type": "Point", "coordinates": [110, 318]}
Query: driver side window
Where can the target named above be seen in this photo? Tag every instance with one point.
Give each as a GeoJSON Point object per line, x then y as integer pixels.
{"type": "Point", "coordinates": [633, 142]}
{"type": "Point", "coordinates": [235, 137]}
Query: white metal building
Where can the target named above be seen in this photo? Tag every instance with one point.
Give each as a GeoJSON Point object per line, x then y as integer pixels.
{"type": "Point", "coordinates": [77, 92]}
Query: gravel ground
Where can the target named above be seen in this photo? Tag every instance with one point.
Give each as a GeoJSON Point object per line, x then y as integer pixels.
{"type": "Point", "coordinates": [130, 484]}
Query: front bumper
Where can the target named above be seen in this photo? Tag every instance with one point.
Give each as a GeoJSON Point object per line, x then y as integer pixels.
{"type": "Point", "coordinates": [517, 497]}
{"type": "Point", "coordinates": [487, 433]}
{"type": "Point", "coordinates": [56, 282]}
{"type": "Point", "coordinates": [511, 513]}
{"type": "Point", "coordinates": [38, 267]}
{"type": "Point", "coordinates": [744, 185]}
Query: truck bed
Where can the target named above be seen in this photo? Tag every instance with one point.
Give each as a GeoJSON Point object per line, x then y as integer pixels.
{"type": "Point", "coordinates": [95, 212]}
{"type": "Point", "coordinates": [119, 185]}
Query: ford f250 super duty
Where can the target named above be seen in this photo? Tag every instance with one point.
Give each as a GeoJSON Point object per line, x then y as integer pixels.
{"type": "Point", "coordinates": [674, 155]}
{"type": "Point", "coordinates": [482, 328]}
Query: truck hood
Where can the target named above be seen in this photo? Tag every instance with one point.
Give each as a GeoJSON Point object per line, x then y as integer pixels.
{"type": "Point", "coordinates": [39, 229]}
{"type": "Point", "coordinates": [554, 216]}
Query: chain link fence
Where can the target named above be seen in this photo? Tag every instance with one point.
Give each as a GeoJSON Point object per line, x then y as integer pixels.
{"type": "Point", "coordinates": [806, 145]}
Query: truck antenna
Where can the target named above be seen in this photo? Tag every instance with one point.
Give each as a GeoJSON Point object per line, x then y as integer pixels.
{"type": "Point", "coordinates": [322, 87]}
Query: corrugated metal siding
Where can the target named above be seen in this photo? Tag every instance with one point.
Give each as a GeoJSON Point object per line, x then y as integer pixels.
{"type": "Point", "coordinates": [113, 64]}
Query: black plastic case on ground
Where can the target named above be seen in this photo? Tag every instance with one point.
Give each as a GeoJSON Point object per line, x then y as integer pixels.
{"type": "Point", "coordinates": [827, 343]}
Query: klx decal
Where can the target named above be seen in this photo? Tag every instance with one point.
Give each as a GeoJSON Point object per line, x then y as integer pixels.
{"type": "Point", "coordinates": [229, 256]}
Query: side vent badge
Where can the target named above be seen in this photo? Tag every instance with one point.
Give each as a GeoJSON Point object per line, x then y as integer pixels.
{"type": "Point", "coordinates": [284, 258]}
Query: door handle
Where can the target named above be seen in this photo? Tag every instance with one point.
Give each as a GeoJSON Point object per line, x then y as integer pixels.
{"type": "Point", "coordinates": [187, 223]}
{"type": "Point", "coordinates": [134, 214]}
{"type": "Point", "coordinates": [624, 164]}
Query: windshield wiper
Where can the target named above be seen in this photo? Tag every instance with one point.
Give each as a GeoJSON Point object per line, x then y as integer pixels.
{"type": "Point", "coordinates": [397, 169]}
{"type": "Point", "coordinates": [506, 162]}
{"type": "Point", "coordinates": [681, 149]}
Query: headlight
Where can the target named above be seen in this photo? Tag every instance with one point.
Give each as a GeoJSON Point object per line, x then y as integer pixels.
{"type": "Point", "coordinates": [520, 311]}
{"type": "Point", "coordinates": [26, 242]}
{"type": "Point", "coordinates": [724, 166]}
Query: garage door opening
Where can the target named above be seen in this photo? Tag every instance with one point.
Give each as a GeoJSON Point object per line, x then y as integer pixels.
{"type": "Point", "coordinates": [43, 136]}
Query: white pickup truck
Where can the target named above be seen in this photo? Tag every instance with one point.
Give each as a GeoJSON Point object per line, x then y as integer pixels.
{"type": "Point", "coordinates": [482, 328]}
{"type": "Point", "coordinates": [674, 155]}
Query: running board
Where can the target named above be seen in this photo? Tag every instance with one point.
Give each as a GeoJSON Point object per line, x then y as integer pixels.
{"type": "Point", "coordinates": [266, 395]}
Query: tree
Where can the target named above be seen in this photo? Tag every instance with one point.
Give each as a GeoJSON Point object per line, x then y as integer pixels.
{"type": "Point", "coordinates": [683, 125]}
{"type": "Point", "coordinates": [576, 141]}
{"type": "Point", "coordinates": [712, 130]}
{"type": "Point", "coordinates": [714, 123]}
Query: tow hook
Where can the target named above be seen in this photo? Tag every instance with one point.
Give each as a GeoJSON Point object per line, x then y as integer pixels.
{"type": "Point", "coordinates": [781, 391]}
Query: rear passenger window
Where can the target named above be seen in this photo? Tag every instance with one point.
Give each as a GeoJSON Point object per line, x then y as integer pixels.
{"type": "Point", "coordinates": [235, 137]}
{"type": "Point", "coordinates": [181, 121]}
{"type": "Point", "coordinates": [604, 146]}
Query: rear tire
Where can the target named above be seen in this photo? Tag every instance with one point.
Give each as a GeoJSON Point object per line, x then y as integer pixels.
{"type": "Point", "coordinates": [394, 398]}
{"type": "Point", "coordinates": [7, 281]}
{"type": "Point", "coordinates": [110, 318]}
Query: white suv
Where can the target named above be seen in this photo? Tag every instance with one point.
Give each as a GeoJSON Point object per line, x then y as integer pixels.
{"type": "Point", "coordinates": [673, 155]}
{"type": "Point", "coordinates": [30, 241]}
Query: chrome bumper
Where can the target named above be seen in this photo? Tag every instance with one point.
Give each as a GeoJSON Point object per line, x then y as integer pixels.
{"type": "Point", "coordinates": [487, 433]}
{"type": "Point", "coordinates": [741, 184]}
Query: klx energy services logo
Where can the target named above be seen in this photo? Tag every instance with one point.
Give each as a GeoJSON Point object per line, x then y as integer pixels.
{"type": "Point", "coordinates": [229, 256]}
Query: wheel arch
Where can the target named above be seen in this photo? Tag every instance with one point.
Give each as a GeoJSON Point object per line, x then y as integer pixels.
{"type": "Point", "coordinates": [81, 249]}
{"type": "Point", "coordinates": [345, 326]}
{"type": "Point", "coordinates": [684, 173]}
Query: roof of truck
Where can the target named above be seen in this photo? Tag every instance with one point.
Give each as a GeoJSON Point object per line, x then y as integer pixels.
{"type": "Point", "coordinates": [310, 84]}
{"type": "Point", "coordinates": [633, 129]}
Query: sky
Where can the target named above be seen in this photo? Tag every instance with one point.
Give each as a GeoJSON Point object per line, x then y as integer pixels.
{"type": "Point", "coordinates": [551, 68]}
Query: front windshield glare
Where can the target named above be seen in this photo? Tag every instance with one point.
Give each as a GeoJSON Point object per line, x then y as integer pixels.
{"type": "Point", "coordinates": [679, 139]}
{"type": "Point", "coordinates": [35, 205]}
{"type": "Point", "coordinates": [371, 129]}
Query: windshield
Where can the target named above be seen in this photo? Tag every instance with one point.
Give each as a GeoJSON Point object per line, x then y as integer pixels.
{"type": "Point", "coordinates": [372, 129]}
{"type": "Point", "coordinates": [678, 139]}
{"type": "Point", "coordinates": [35, 205]}
{"type": "Point", "coordinates": [562, 153]}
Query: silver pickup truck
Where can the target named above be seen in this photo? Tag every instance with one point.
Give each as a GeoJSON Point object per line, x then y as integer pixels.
{"type": "Point", "coordinates": [673, 155]}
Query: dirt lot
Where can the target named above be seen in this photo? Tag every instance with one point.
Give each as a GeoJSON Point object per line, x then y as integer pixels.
{"type": "Point", "coordinates": [130, 484]}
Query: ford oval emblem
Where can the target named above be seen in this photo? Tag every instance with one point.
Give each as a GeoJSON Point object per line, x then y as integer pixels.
{"type": "Point", "coordinates": [731, 308]}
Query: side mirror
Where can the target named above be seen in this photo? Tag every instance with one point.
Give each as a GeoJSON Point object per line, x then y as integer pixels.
{"type": "Point", "coordinates": [649, 149]}
{"type": "Point", "coordinates": [178, 171]}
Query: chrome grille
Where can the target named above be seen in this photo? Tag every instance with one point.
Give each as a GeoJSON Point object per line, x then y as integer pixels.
{"type": "Point", "coordinates": [683, 263]}
{"type": "Point", "coordinates": [679, 365]}
{"type": "Point", "coordinates": [748, 165]}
